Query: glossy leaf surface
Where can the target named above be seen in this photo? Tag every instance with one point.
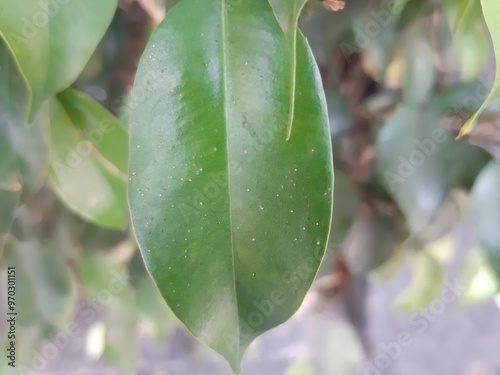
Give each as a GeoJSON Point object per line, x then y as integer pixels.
{"type": "Point", "coordinates": [229, 216]}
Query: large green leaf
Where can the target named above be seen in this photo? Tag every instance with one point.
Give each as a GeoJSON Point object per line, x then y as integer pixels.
{"type": "Point", "coordinates": [53, 40]}
{"type": "Point", "coordinates": [86, 142]}
{"type": "Point", "coordinates": [485, 202]}
{"type": "Point", "coordinates": [227, 213]}
{"type": "Point", "coordinates": [288, 12]}
{"type": "Point", "coordinates": [491, 10]}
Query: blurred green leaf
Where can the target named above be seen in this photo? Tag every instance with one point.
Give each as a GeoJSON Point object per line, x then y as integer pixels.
{"type": "Point", "coordinates": [22, 148]}
{"type": "Point", "coordinates": [491, 9]}
{"type": "Point", "coordinates": [412, 159]}
{"type": "Point", "coordinates": [392, 266]}
{"type": "Point", "coordinates": [27, 343]}
{"type": "Point", "coordinates": [47, 285]}
{"type": "Point", "coordinates": [154, 313]}
{"type": "Point", "coordinates": [121, 324]}
{"type": "Point", "coordinates": [438, 225]}
{"type": "Point", "coordinates": [338, 114]}
{"type": "Point", "coordinates": [467, 162]}
{"type": "Point", "coordinates": [339, 349]}
{"type": "Point", "coordinates": [207, 185]}
{"type": "Point", "coordinates": [469, 40]}
{"type": "Point", "coordinates": [476, 274]}
{"type": "Point", "coordinates": [472, 48]}
{"type": "Point", "coordinates": [346, 198]}
{"type": "Point", "coordinates": [460, 99]}
{"type": "Point", "coordinates": [10, 183]}
{"type": "Point", "coordinates": [398, 6]}
{"type": "Point", "coordinates": [419, 73]}
{"type": "Point", "coordinates": [485, 203]}
{"type": "Point", "coordinates": [88, 182]}
{"type": "Point", "coordinates": [50, 44]}
{"type": "Point", "coordinates": [465, 8]}
{"type": "Point", "coordinates": [412, 11]}
{"type": "Point", "coordinates": [456, 102]}
{"type": "Point", "coordinates": [371, 240]}
{"type": "Point", "coordinates": [8, 203]}
{"type": "Point", "coordinates": [101, 276]}
{"type": "Point", "coordinates": [300, 367]}
{"type": "Point", "coordinates": [425, 285]}
{"type": "Point", "coordinates": [106, 281]}
{"type": "Point", "coordinates": [106, 133]}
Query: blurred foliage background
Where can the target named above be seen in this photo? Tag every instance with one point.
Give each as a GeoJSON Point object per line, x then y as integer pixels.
{"type": "Point", "coordinates": [401, 78]}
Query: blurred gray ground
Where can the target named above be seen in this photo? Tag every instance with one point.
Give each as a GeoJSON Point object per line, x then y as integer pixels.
{"type": "Point", "coordinates": [460, 341]}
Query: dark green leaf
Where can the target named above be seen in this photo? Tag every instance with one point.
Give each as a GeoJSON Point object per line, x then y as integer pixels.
{"type": "Point", "coordinates": [227, 213]}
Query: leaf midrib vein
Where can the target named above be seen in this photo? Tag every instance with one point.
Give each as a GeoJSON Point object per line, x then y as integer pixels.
{"type": "Point", "coordinates": [225, 98]}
